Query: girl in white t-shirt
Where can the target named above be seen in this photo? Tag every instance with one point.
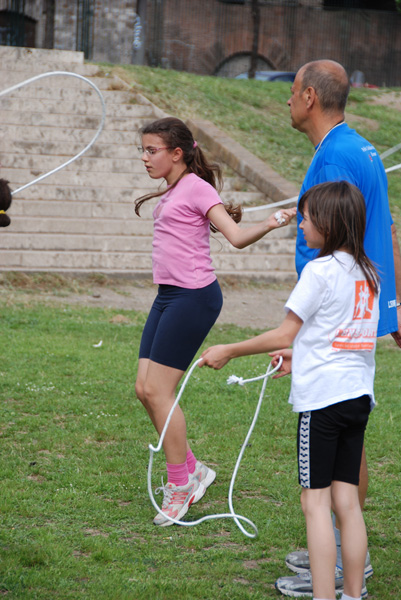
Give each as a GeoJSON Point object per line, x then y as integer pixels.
{"type": "Point", "coordinates": [332, 317]}
{"type": "Point", "coordinates": [189, 298]}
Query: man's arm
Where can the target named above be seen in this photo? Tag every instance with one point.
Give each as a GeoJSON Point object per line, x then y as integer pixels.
{"type": "Point", "coordinates": [397, 268]}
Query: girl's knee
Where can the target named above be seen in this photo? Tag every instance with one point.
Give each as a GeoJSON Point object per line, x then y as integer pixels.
{"type": "Point", "coordinates": [139, 390]}
{"type": "Point", "coordinates": [305, 501]}
{"type": "Point", "coordinates": [345, 498]}
{"type": "Point", "coordinates": [313, 499]}
{"type": "Point", "coordinates": [144, 392]}
{"type": "Point", "coordinates": [148, 394]}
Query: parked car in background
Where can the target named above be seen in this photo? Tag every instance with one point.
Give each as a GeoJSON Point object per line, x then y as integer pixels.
{"type": "Point", "coordinates": [270, 75]}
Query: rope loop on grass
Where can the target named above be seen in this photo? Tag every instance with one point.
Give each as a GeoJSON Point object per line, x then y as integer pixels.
{"type": "Point", "coordinates": [238, 519]}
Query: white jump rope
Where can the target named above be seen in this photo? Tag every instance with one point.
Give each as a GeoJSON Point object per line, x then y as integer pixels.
{"type": "Point", "coordinates": [93, 140]}
{"type": "Point", "coordinates": [233, 379]}
{"type": "Point", "coordinates": [232, 514]}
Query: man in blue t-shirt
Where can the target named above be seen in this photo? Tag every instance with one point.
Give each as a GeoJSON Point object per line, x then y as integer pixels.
{"type": "Point", "coordinates": [317, 104]}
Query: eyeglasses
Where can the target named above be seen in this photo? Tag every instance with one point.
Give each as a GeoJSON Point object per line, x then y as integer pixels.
{"type": "Point", "coordinates": [151, 151]}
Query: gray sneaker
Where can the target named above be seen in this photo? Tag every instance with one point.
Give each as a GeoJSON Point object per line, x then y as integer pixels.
{"type": "Point", "coordinates": [301, 585]}
{"type": "Point", "coordinates": [298, 562]}
{"type": "Point", "coordinates": [205, 475]}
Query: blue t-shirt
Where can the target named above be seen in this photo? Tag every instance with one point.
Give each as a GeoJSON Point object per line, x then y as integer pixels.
{"type": "Point", "coordinates": [345, 155]}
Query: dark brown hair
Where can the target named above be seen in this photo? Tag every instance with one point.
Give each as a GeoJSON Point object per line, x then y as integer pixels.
{"type": "Point", "coordinates": [176, 134]}
{"type": "Point", "coordinates": [5, 202]}
{"type": "Point", "coordinates": [337, 210]}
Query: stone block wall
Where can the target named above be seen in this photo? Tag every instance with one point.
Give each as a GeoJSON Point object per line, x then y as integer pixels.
{"type": "Point", "coordinates": [111, 25]}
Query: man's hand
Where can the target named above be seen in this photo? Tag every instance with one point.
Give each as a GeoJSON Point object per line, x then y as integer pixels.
{"type": "Point", "coordinates": [397, 334]}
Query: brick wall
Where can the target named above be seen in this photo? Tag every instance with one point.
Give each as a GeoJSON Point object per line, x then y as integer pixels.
{"type": "Point", "coordinates": [212, 37]}
{"type": "Point", "coordinates": [208, 37]}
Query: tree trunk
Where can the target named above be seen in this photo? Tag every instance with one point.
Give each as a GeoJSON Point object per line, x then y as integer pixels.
{"type": "Point", "coordinates": [50, 8]}
{"type": "Point", "coordinates": [255, 38]}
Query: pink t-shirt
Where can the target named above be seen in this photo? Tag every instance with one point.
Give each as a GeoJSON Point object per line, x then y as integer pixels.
{"type": "Point", "coordinates": [181, 249]}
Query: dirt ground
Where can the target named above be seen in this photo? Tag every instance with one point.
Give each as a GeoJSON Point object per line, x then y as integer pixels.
{"type": "Point", "coordinates": [254, 305]}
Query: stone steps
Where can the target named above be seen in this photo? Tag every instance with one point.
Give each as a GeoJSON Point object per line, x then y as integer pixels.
{"type": "Point", "coordinates": [22, 164]}
{"type": "Point", "coordinates": [140, 263]}
{"type": "Point", "coordinates": [82, 218]}
{"type": "Point", "coordinates": [12, 107]}
{"type": "Point", "coordinates": [40, 91]}
{"type": "Point", "coordinates": [12, 76]}
{"type": "Point", "coordinates": [84, 121]}
{"type": "Point", "coordinates": [27, 148]}
{"type": "Point", "coordinates": [78, 177]}
{"type": "Point", "coordinates": [70, 241]}
{"type": "Point", "coordinates": [60, 134]}
{"type": "Point", "coordinates": [21, 56]}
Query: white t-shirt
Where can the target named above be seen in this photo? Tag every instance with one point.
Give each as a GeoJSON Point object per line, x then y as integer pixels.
{"type": "Point", "coordinates": [334, 351]}
{"type": "Point", "coordinates": [181, 247]}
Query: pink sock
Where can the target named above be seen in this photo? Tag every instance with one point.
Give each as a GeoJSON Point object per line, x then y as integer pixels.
{"type": "Point", "coordinates": [191, 462]}
{"type": "Point", "coordinates": [177, 474]}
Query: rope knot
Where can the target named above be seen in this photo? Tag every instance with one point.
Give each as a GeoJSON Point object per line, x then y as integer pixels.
{"type": "Point", "coordinates": [235, 379]}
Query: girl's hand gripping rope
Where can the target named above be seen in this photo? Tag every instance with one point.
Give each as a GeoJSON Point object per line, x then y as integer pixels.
{"type": "Point", "coordinates": [215, 357]}
{"type": "Point", "coordinates": [285, 356]}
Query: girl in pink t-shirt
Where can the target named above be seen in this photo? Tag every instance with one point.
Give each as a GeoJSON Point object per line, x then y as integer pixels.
{"type": "Point", "coordinates": [189, 298]}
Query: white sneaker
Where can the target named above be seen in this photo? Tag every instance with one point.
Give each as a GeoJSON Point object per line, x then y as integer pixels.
{"type": "Point", "coordinates": [177, 500]}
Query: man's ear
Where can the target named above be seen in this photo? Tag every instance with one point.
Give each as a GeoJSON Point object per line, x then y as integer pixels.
{"type": "Point", "coordinates": [310, 96]}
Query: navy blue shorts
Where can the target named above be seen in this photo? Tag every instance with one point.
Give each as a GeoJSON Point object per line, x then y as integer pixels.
{"type": "Point", "coordinates": [178, 322]}
{"type": "Point", "coordinates": [330, 442]}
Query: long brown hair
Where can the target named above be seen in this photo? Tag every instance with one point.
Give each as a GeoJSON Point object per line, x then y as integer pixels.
{"type": "Point", "coordinates": [175, 134]}
{"type": "Point", "coordinates": [337, 210]}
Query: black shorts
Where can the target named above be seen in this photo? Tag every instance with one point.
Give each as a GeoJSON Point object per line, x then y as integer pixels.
{"type": "Point", "coordinates": [330, 442]}
{"type": "Point", "coordinates": [178, 322]}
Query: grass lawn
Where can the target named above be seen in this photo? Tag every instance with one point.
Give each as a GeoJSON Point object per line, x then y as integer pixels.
{"type": "Point", "coordinates": [76, 520]}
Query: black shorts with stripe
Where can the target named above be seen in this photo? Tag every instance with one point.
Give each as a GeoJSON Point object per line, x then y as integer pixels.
{"type": "Point", "coordinates": [330, 442]}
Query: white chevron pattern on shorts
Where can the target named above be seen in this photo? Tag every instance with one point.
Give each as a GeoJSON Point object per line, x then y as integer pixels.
{"type": "Point", "coordinates": [304, 447]}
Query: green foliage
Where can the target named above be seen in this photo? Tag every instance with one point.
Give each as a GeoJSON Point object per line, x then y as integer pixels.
{"type": "Point", "coordinates": [76, 521]}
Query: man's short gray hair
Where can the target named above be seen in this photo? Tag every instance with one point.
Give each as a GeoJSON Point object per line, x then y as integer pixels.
{"type": "Point", "coordinates": [330, 82]}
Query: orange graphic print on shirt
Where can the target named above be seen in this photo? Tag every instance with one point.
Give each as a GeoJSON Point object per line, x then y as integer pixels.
{"type": "Point", "coordinates": [363, 300]}
{"type": "Point", "coordinates": [360, 333]}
